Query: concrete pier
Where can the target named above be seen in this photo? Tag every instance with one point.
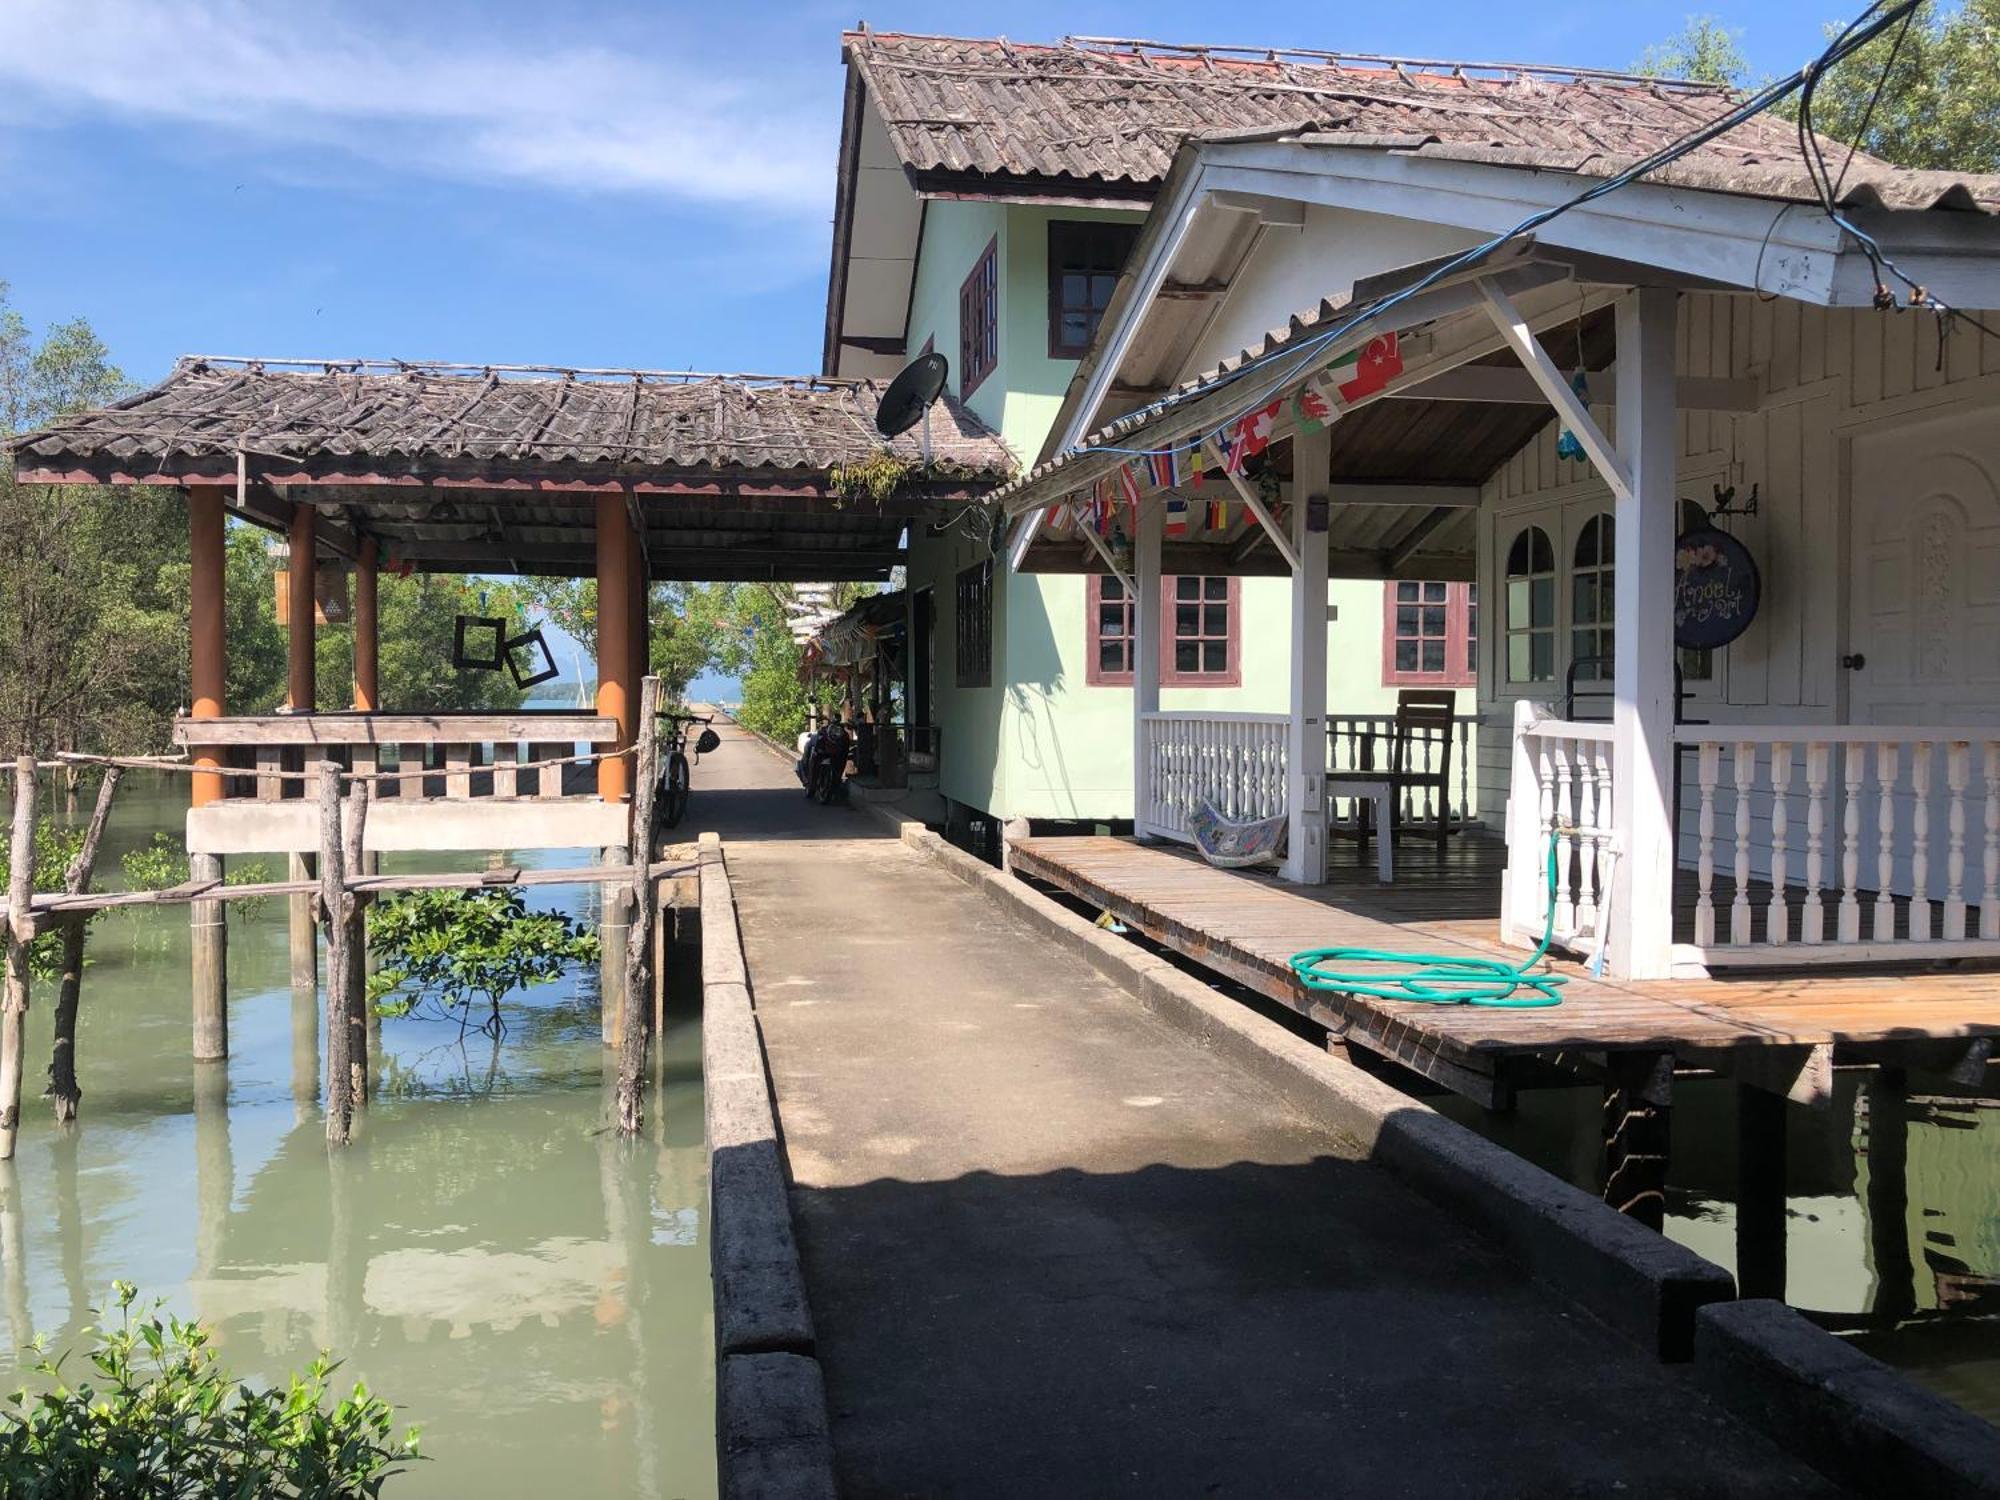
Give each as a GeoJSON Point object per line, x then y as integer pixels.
{"type": "Point", "coordinates": [208, 931]}
{"type": "Point", "coordinates": [1054, 1244]}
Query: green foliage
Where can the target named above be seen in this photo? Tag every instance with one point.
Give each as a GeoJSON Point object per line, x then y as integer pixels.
{"type": "Point", "coordinates": [1706, 51]}
{"type": "Point", "coordinates": [760, 649]}
{"type": "Point", "coordinates": [451, 948]}
{"type": "Point", "coordinates": [686, 623]}
{"type": "Point", "coordinates": [161, 862]}
{"type": "Point", "coordinates": [1940, 106]}
{"type": "Point", "coordinates": [876, 478]}
{"type": "Point", "coordinates": [416, 617]}
{"type": "Point", "coordinates": [159, 1419]}
{"type": "Point", "coordinates": [54, 849]}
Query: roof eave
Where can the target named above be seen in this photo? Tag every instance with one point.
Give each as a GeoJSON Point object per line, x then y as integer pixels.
{"type": "Point", "coordinates": [843, 215]}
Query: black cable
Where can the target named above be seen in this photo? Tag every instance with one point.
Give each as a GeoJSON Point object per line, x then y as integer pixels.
{"type": "Point", "coordinates": [1868, 115]}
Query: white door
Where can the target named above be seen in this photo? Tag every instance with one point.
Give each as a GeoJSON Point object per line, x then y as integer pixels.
{"type": "Point", "coordinates": [1924, 614]}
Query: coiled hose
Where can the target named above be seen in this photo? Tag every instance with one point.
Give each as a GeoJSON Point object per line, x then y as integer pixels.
{"type": "Point", "coordinates": [1437, 978]}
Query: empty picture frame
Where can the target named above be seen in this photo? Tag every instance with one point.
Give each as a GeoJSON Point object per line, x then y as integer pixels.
{"type": "Point", "coordinates": [541, 664]}
{"type": "Point", "coordinates": [463, 654]}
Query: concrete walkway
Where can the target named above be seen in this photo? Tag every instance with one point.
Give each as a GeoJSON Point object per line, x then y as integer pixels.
{"type": "Point", "coordinates": [1055, 1247]}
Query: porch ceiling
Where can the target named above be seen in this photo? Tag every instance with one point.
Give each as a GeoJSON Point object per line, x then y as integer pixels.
{"type": "Point", "coordinates": [479, 470]}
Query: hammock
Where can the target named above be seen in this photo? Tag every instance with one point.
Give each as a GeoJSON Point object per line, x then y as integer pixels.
{"type": "Point", "coordinates": [1230, 845]}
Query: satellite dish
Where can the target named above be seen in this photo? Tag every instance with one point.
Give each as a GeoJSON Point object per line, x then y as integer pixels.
{"type": "Point", "coordinates": [910, 396]}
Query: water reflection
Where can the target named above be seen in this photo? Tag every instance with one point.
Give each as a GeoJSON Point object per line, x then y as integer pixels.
{"type": "Point", "coordinates": [530, 1287]}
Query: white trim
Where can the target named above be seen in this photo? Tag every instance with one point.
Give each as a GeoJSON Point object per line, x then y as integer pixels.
{"type": "Point", "coordinates": [1254, 503]}
{"type": "Point", "coordinates": [1576, 416]}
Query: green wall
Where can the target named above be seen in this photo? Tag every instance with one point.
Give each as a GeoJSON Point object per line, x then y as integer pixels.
{"type": "Point", "coordinates": [1041, 742]}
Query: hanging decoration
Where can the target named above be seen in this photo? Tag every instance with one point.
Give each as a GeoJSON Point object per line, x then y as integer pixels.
{"type": "Point", "coordinates": [1218, 515]}
{"type": "Point", "coordinates": [1566, 444]}
{"type": "Point", "coordinates": [1177, 516]}
{"type": "Point", "coordinates": [1364, 372]}
{"type": "Point", "coordinates": [1717, 588]}
{"type": "Point", "coordinates": [1253, 432]}
{"type": "Point", "coordinates": [1311, 411]}
{"type": "Point", "coordinates": [1196, 463]}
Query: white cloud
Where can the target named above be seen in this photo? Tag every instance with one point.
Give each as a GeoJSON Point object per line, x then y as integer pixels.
{"type": "Point", "coordinates": [291, 74]}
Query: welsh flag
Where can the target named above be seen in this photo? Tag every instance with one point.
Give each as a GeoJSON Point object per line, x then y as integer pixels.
{"type": "Point", "coordinates": [1311, 410]}
{"type": "Point", "coordinates": [1366, 370]}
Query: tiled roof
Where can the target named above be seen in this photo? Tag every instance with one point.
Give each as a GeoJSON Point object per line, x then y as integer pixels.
{"type": "Point", "coordinates": [424, 413]}
{"type": "Point", "coordinates": [1116, 112]}
{"type": "Point", "coordinates": [1098, 111]}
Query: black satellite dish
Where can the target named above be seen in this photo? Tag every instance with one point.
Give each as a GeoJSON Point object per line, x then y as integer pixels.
{"type": "Point", "coordinates": [910, 396]}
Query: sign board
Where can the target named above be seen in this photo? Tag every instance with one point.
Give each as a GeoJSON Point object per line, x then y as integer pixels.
{"type": "Point", "coordinates": [1716, 588]}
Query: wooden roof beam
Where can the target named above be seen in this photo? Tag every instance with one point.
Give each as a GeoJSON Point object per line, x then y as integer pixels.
{"type": "Point", "coordinates": [1497, 385]}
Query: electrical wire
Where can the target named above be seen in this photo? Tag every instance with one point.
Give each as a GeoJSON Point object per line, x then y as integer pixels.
{"type": "Point", "coordinates": [1857, 34]}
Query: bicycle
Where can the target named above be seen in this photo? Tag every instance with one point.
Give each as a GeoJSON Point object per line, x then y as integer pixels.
{"type": "Point", "coordinates": [674, 780]}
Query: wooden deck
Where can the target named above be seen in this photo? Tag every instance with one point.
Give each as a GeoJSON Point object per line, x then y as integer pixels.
{"type": "Point", "coordinates": [1784, 1031]}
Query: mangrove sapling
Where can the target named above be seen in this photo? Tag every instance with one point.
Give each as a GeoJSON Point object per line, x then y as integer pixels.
{"type": "Point", "coordinates": [451, 949]}
{"type": "Point", "coordinates": [162, 863]}
{"type": "Point", "coordinates": [155, 1417]}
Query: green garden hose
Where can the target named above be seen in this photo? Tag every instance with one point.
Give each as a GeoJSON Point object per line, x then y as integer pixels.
{"type": "Point", "coordinates": [1437, 978]}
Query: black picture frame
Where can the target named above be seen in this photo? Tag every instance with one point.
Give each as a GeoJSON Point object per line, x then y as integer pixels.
{"type": "Point", "coordinates": [522, 642]}
{"type": "Point", "coordinates": [462, 656]}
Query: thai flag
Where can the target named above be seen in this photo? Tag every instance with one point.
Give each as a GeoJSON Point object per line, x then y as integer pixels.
{"type": "Point", "coordinates": [1163, 469]}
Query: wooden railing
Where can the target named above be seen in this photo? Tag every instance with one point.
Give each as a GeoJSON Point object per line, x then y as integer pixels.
{"type": "Point", "coordinates": [1560, 792]}
{"type": "Point", "coordinates": [1361, 742]}
{"type": "Point", "coordinates": [448, 756]}
{"type": "Point", "coordinates": [1855, 842]}
{"type": "Point", "coordinates": [1234, 762]}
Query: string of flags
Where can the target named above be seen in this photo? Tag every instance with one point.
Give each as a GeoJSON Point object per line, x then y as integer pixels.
{"type": "Point", "coordinates": [1348, 380]}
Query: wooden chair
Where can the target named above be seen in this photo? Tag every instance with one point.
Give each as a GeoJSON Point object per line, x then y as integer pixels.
{"type": "Point", "coordinates": [1422, 731]}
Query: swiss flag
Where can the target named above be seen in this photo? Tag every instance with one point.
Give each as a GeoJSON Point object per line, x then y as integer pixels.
{"type": "Point", "coordinates": [1253, 433]}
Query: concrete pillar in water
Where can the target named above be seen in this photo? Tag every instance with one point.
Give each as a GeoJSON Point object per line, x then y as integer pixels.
{"type": "Point", "coordinates": [304, 935]}
{"type": "Point", "coordinates": [1760, 1192]}
{"type": "Point", "coordinates": [206, 925]}
{"type": "Point", "coordinates": [614, 923]}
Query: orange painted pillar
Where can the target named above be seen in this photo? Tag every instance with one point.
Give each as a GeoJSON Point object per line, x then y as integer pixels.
{"type": "Point", "coordinates": [367, 696]}
{"type": "Point", "coordinates": [207, 647]}
{"type": "Point", "coordinates": [617, 691]}
{"type": "Point", "coordinates": [301, 694]}
{"type": "Point", "coordinates": [642, 625]}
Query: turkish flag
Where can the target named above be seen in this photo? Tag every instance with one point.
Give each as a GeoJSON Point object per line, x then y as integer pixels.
{"type": "Point", "coordinates": [1378, 364]}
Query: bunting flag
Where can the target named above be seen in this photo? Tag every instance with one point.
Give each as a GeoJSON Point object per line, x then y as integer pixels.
{"type": "Point", "coordinates": [1196, 460]}
{"type": "Point", "coordinates": [1232, 452]}
{"type": "Point", "coordinates": [1218, 515]}
{"type": "Point", "coordinates": [1164, 469]}
{"type": "Point", "coordinates": [1128, 486]}
{"type": "Point", "coordinates": [1366, 370]}
{"type": "Point", "coordinates": [1100, 507]}
{"type": "Point", "coordinates": [1253, 432]}
{"type": "Point", "coordinates": [1311, 411]}
{"type": "Point", "coordinates": [1177, 516]}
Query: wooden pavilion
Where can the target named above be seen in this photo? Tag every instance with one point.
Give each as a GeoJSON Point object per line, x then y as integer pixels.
{"type": "Point", "coordinates": [627, 476]}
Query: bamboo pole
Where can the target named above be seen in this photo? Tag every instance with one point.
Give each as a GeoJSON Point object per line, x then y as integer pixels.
{"type": "Point", "coordinates": [354, 916]}
{"type": "Point", "coordinates": [639, 940]}
{"type": "Point", "coordinates": [63, 1090]}
{"type": "Point", "coordinates": [340, 959]}
{"type": "Point", "coordinates": [20, 930]}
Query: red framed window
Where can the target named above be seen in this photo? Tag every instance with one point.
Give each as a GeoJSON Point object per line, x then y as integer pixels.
{"type": "Point", "coordinates": [1201, 625]}
{"type": "Point", "coordinates": [1430, 634]}
{"type": "Point", "coordinates": [979, 320]}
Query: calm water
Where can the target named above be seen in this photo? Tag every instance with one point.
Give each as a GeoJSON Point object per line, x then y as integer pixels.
{"type": "Point", "coordinates": [487, 1255]}
{"type": "Point", "coordinates": [1909, 1269]}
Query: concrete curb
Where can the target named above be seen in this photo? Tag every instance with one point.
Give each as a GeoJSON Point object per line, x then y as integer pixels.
{"type": "Point", "coordinates": [1852, 1417]}
{"type": "Point", "coordinates": [1643, 1285]}
{"type": "Point", "coordinates": [771, 1422]}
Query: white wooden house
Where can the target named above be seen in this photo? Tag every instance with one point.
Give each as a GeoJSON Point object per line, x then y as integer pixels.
{"type": "Point", "coordinates": [1826, 787]}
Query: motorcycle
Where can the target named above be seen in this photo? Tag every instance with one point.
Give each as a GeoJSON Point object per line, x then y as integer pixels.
{"type": "Point", "coordinates": [822, 768]}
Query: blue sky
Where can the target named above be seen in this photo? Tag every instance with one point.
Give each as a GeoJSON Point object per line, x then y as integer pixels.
{"type": "Point", "coordinates": [625, 184]}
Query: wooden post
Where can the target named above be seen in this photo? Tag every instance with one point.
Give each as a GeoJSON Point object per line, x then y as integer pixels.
{"type": "Point", "coordinates": [63, 1089]}
{"type": "Point", "coordinates": [301, 691]}
{"type": "Point", "coordinates": [207, 647]}
{"type": "Point", "coordinates": [354, 917]}
{"type": "Point", "coordinates": [1146, 587]}
{"type": "Point", "coordinates": [614, 638]}
{"type": "Point", "coordinates": [614, 927]}
{"type": "Point", "coordinates": [1305, 736]}
{"type": "Point", "coordinates": [1642, 715]}
{"type": "Point", "coordinates": [1887, 1144]}
{"type": "Point", "coordinates": [639, 941]}
{"type": "Point", "coordinates": [1760, 1192]}
{"type": "Point", "coordinates": [340, 959]}
{"type": "Point", "coordinates": [208, 931]}
{"type": "Point", "coordinates": [367, 697]}
{"type": "Point", "coordinates": [302, 935]}
{"type": "Point", "coordinates": [1638, 1098]}
{"type": "Point", "coordinates": [20, 931]}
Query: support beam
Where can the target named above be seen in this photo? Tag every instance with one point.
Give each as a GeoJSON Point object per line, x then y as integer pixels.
{"type": "Point", "coordinates": [1613, 463]}
{"type": "Point", "coordinates": [1305, 744]}
{"type": "Point", "coordinates": [1406, 547]}
{"type": "Point", "coordinates": [1760, 1192]}
{"type": "Point", "coordinates": [615, 686]}
{"type": "Point", "coordinates": [1638, 1104]}
{"type": "Point", "coordinates": [1254, 503]}
{"type": "Point", "coordinates": [1642, 717]}
{"type": "Point", "coordinates": [301, 691]}
{"type": "Point", "coordinates": [1457, 496]}
{"type": "Point", "coordinates": [1496, 385]}
{"type": "Point", "coordinates": [367, 639]}
{"type": "Point", "coordinates": [207, 650]}
{"type": "Point", "coordinates": [1146, 608]}
{"type": "Point", "coordinates": [1097, 543]}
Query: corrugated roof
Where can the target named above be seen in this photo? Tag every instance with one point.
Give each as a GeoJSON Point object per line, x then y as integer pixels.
{"type": "Point", "coordinates": [1115, 112]}
{"type": "Point", "coordinates": [426, 413]}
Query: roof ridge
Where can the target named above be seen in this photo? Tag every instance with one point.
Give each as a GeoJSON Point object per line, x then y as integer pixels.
{"type": "Point", "coordinates": [364, 366]}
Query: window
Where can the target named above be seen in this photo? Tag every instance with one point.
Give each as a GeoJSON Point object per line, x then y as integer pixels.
{"type": "Point", "coordinates": [1199, 645]}
{"type": "Point", "coordinates": [979, 320]}
{"type": "Point", "coordinates": [974, 623]}
{"type": "Point", "coordinates": [1084, 262]}
{"type": "Point", "coordinates": [1429, 634]}
{"type": "Point", "coordinates": [1200, 621]}
{"type": "Point", "coordinates": [1591, 610]}
{"type": "Point", "coordinates": [1531, 608]}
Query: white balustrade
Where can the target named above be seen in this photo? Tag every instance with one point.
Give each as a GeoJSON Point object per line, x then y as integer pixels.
{"type": "Point", "coordinates": [1893, 804]}
{"type": "Point", "coordinates": [1361, 742]}
{"type": "Point", "coordinates": [1560, 795]}
{"type": "Point", "coordinates": [1234, 762]}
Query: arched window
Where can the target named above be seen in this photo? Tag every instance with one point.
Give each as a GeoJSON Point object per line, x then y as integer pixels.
{"type": "Point", "coordinates": [1531, 608]}
{"type": "Point", "coordinates": [1590, 600]}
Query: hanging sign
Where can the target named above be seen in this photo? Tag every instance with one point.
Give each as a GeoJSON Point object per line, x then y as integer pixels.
{"type": "Point", "coordinates": [1716, 588]}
